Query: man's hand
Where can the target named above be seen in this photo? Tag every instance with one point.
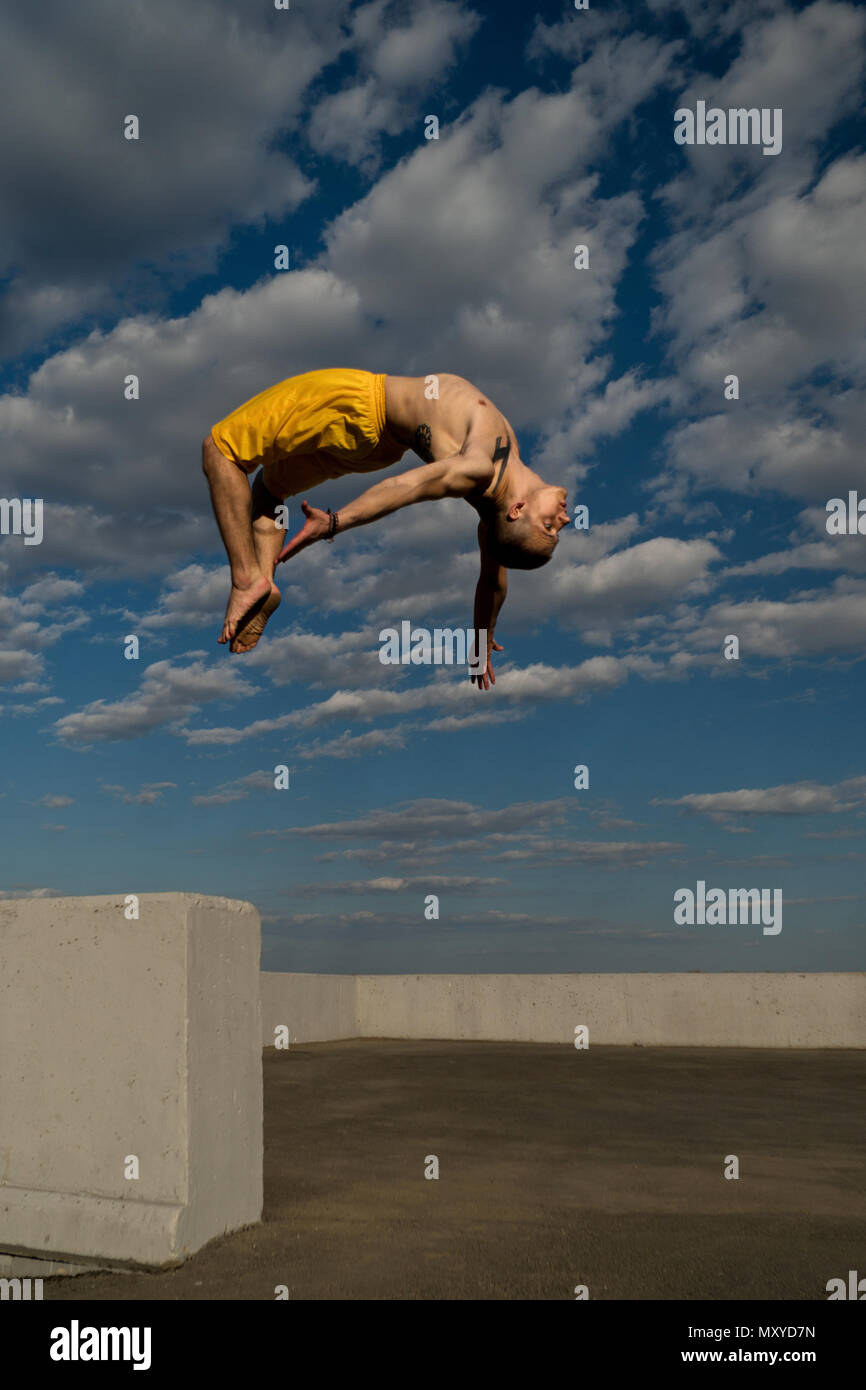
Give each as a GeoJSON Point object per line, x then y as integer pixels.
{"type": "Point", "coordinates": [488, 678]}
{"type": "Point", "coordinates": [490, 593]}
{"type": "Point", "coordinates": [315, 528]}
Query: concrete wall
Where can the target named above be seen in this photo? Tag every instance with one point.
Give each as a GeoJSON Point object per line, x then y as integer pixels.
{"type": "Point", "coordinates": [128, 1037]}
{"type": "Point", "coordinates": [314, 1008]}
{"type": "Point", "coordinates": [673, 1010]}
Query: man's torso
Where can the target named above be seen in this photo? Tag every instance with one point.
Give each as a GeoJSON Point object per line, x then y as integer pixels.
{"type": "Point", "coordinates": [442, 415]}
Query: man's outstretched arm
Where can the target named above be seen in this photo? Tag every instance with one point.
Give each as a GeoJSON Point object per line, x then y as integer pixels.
{"type": "Point", "coordinates": [456, 476]}
{"type": "Point", "coordinates": [490, 594]}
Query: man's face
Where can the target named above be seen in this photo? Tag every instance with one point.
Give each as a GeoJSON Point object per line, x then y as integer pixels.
{"type": "Point", "coordinates": [547, 508]}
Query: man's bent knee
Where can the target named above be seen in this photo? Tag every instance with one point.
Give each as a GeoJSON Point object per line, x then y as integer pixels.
{"type": "Point", "coordinates": [213, 457]}
{"type": "Point", "coordinates": [210, 454]}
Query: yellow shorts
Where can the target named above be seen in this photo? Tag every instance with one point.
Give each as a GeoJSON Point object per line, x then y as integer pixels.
{"type": "Point", "coordinates": [312, 427]}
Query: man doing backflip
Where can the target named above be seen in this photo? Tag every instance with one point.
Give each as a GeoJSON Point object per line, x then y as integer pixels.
{"type": "Point", "coordinates": [326, 424]}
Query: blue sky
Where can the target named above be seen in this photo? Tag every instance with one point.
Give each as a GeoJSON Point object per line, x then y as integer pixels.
{"type": "Point", "coordinates": [156, 257]}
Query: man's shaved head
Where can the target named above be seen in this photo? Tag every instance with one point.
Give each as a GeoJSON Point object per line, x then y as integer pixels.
{"type": "Point", "coordinates": [518, 543]}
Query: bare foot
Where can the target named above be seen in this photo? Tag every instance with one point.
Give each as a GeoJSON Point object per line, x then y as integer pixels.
{"type": "Point", "coordinates": [252, 626]}
{"type": "Point", "coordinates": [242, 602]}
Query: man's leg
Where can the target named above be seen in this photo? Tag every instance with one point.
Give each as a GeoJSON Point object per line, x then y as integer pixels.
{"type": "Point", "coordinates": [230, 495]}
{"type": "Point", "coordinates": [268, 539]}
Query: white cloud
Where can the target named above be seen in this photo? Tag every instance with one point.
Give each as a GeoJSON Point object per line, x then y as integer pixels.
{"type": "Point", "coordinates": [566, 449]}
{"type": "Point", "coordinates": [518, 835]}
{"type": "Point", "coordinates": [237, 790]}
{"type": "Point", "coordinates": [837, 553]}
{"type": "Point", "coordinates": [437, 817]}
{"type": "Point", "coordinates": [708, 19]}
{"type": "Point", "coordinates": [531, 684]}
{"type": "Point", "coordinates": [762, 277]}
{"type": "Point", "coordinates": [50, 590]}
{"type": "Point", "coordinates": [790, 799]}
{"type": "Point", "coordinates": [821, 623]}
{"type": "Point", "coordinates": [430, 883]}
{"type": "Point", "coordinates": [420, 51]}
{"type": "Point", "coordinates": [212, 94]}
{"type": "Point", "coordinates": [808, 62]}
{"type": "Point", "coordinates": [398, 64]}
{"type": "Point", "coordinates": [192, 597]}
{"type": "Point", "coordinates": [15, 666]}
{"type": "Point", "coordinates": [601, 595]}
{"type": "Point", "coordinates": [26, 630]}
{"type": "Point", "coordinates": [166, 696]}
{"type": "Point", "coordinates": [147, 795]}
{"type": "Point", "coordinates": [348, 745]}
{"type": "Point", "coordinates": [344, 659]}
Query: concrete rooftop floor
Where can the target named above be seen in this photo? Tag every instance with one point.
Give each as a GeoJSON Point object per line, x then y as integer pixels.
{"type": "Point", "coordinates": [557, 1168]}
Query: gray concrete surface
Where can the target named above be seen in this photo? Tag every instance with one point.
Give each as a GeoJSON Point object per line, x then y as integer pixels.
{"type": "Point", "coordinates": [557, 1168]}
{"type": "Point", "coordinates": [128, 1037]}
{"type": "Point", "coordinates": [689, 1009]}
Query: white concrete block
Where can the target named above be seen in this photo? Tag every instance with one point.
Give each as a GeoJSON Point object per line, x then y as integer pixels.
{"type": "Point", "coordinates": [128, 1043]}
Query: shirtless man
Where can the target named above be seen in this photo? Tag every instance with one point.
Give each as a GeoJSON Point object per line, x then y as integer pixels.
{"type": "Point", "coordinates": [330, 423]}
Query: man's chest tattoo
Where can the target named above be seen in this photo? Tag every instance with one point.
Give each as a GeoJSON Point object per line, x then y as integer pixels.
{"type": "Point", "coordinates": [423, 444]}
{"type": "Point", "coordinates": [503, 449]}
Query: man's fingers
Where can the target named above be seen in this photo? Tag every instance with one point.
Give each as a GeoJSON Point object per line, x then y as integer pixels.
{"type": "Point", "coordinates": [296, 543]}
{"type": "Point", "coordinates": [292, 545]}
{"type": "Point", "coordinates": [485, 680]}
{"type": "Point", "coordinates": [311, 531]}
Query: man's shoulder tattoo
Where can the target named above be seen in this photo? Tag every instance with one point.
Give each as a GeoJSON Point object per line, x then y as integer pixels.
{"type": "Point", "coordinates": [423, 443]}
